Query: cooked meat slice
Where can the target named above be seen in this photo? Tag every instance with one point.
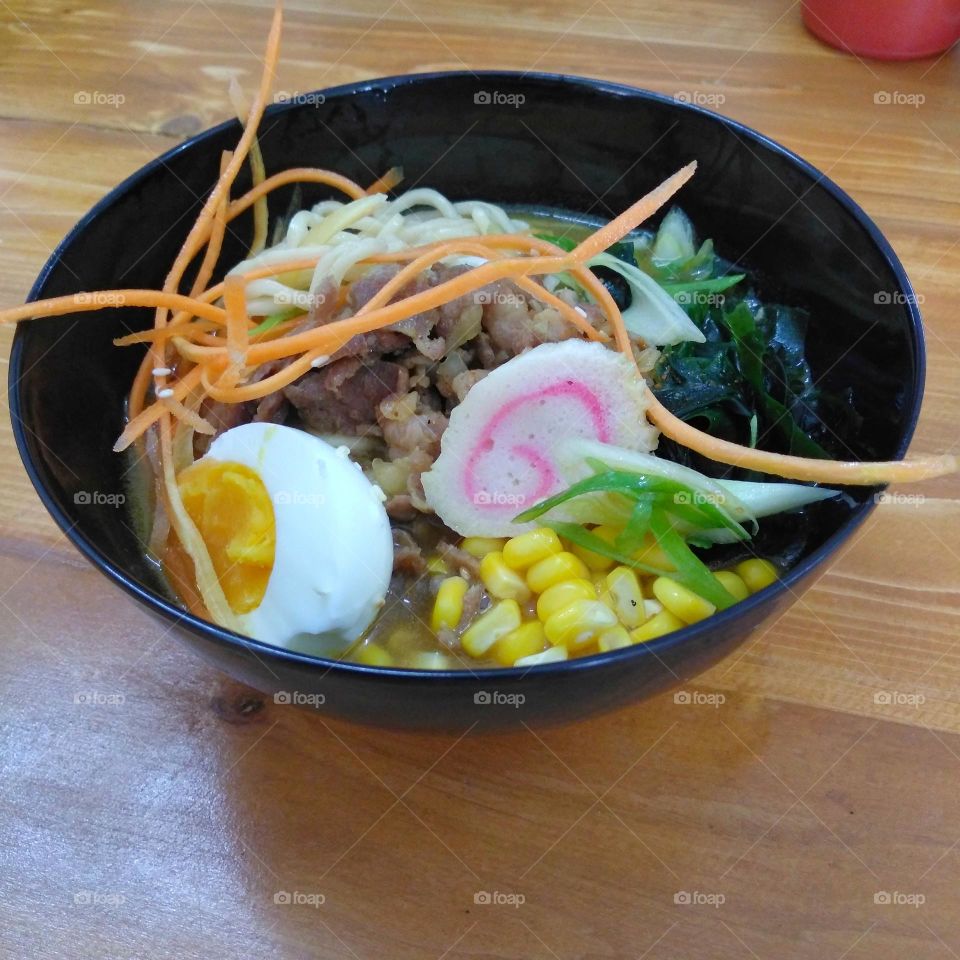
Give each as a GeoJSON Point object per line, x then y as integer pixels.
{"type": "Point", "coordinates": [472, 602]}
{"type": "Point", "coordinates": [516, 322]}
{"type": "Point", "coordinates": [462, 382]}
{"type": "Point", "coordinates": [408, 428]}
{"type": "Point", "coordinates": [400, 507]}
{"type": "Point", "coordinates": [464, 563]}
{"type": "Point", "coordinates": [344, 396]}
{"type": "Point", "coordinates": [407, 555]}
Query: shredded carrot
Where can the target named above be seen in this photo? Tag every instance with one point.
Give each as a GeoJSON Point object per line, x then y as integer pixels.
{"type": "Point", "coordinates": [212, 253]}
{"type": "Point", "coordinates": [238, 326]}
{"type": "Point", "coordinates": [147, 417]}
{"type": "Point", "coordinates": [86, 302]}
{"type": "Point", "coordinates": [262, 388]}
{"type": "Point", "coordinates": [798, 468]}
{"type": "Point", "coordinates": [633, 216]}
{"type": "Point", "coordinates": [477, 247]}
{"type": "Point", "coordinates": [295, 175]}
{"type": "Point", "coordinates": [387, 182]}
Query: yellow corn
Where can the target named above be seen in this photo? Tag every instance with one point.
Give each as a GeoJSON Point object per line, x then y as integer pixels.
{"type": "Point", "coordinates": [733, 584]}
{"type": "Point", "coordinates": [529, 548]}
{"type": "Point", "coordinates": [680, 601]}
{"type": "Point", "coordinates": [757, 574]}
{"type": "Point", "coordinates": [652, 554]}
{"type": "Point", "coordinates": [436, 564]}
{"type": "Point", "coordinates": [576, 626]}
{"type": "Point", "coordinates": [479, 547]}
{"type": "Point", "coordinates": [596, 561]}
{"type": "Point", "coordinates": [562, 594]}
{"type": "Point", "coordinates": [372, 655]}
{"type": "Point", "coordinates": [613, 638]}
{"type": "Point", "coordinates": [430, 660]}
{"type": "Point", "coordinates": [448, 607]}
{"type": "Point", "coordinates": [626, 596]}
{"type": "Point", "coordinates": [554, 569]}
{"type": "Point", "coordinates": [525, 641]}
{"type": "Point", "coordinates": [489, 627]}
{"type": "Point", "coordinates": [657, 626]}
{"type": "Point", "coordinates": [500, 580]}
{"type": "Point", "coordinates": [552, 655]}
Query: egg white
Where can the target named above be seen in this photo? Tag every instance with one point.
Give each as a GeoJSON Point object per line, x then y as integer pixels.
{"type": "Point", "coordinates": [334, 548]}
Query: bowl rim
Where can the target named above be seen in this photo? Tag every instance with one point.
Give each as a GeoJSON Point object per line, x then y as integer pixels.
{"type": "Point", "coordinates": [178, 617]}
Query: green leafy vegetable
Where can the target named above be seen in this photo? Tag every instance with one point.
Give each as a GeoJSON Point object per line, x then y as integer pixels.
{"type": "Point", "coordinates": [270, 321]}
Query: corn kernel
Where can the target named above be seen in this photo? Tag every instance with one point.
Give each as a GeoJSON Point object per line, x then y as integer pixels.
{"type": "Point", "coordinates": [479, 547]}
{"type": "Point", "coordinates": [757, 574]}
{"type": "Point", "coordinates": [553, 655]}
{"type": "Point", "coordinates": [436, 564]}
{"type": "Point", "coordinates": [680, 601]}
{"type": "Point", "coordinates": [430, 660]}
{"type": "Point", "coordinates": [562, 594]}
{"type": "Point", "coordinates": [500, 580]}
{"type": "Point", "coordinates": [529, 548]}
{"type": "Point", "coordinates": [597, 561]}
{"type": "Point", "coordinates": [489, 627]}
{"type": "Point", "coordinates": [626, 596]}
{"type": "Point", "coordinates": [554, 569]}
{"type": "Point", "coordinates": [525, 641]}
{"type": "Point", "coordinates": [372, 655]}
{"type": "Point", "coordinates": [448, 607]}
{"type": "Point", "coordinates": [657, 626]}
{"type": "Point", "coordinates": [613, 638]}
{"type": "Point", "coordinates": [733, 584]}
{"type": "Point", "coordinates": [651, 608]}
{"type": "Point", "coordinates": [577, 625]}
{"type": "Point", "coordinates": [651, 553]}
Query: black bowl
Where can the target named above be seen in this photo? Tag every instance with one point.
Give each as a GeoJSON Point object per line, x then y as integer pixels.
{"type": "Point", "coordinates": [579, 144]}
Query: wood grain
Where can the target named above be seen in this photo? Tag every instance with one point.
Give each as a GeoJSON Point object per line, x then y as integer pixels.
{"type": "Point", "coordinates": [163, 814]}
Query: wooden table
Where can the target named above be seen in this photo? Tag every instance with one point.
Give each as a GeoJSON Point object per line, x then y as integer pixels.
{"type": "Point", "coordinates": [167, 815]}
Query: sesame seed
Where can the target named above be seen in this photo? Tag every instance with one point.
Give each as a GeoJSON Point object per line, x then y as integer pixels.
{"type": "Point", "coordinates": [164, 393]}
{"type": "Point", "coordinates": [319, 361]}
{"type": "Point", "coordinates": [581, 311]}
{"type": "Point", "coordinates": [162, 371]}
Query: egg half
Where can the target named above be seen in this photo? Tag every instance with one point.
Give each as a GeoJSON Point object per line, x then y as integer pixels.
{"type": "Point", "coordinates": [299, 538]}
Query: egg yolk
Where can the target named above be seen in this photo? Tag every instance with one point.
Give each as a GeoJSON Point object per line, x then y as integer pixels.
{"type": "Point", "coordinates": [232, 510]}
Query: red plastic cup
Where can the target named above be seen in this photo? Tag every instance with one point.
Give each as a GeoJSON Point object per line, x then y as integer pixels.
{"type": "Point", "coordinates": [885, 29]}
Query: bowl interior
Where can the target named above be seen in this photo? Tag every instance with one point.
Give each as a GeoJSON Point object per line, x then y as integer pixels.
{"type": "Point", "coordinates": [542, 140]}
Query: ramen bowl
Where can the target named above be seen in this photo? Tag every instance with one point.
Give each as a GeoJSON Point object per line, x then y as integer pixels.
{"type": "Point", "coordinates": [525, 139]}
